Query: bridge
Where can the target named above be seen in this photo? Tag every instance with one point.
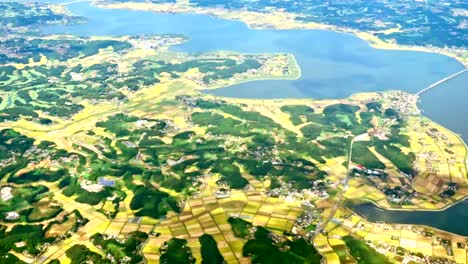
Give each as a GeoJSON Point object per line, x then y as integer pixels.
{"type": "Point", "coordinates": [441, 82]}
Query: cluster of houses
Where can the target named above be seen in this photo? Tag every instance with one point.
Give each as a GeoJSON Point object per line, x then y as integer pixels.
{"type": "Point", "coordinates": [192, 101]}
{"type": "Point", "coordinates": [398, 195]}
{"type": "Point", "coordinates": [223, 193]}
{"type": "Point", "coordinates": [8, 161]}
{"type": "Point", "coordinates": [109, 256]}
{"type": "Point", "coordinates": [403, 255]}
{"type": "Point", "coordinates": [405, 103]}
{"type": "Point", "coordinates": [10, 52]}
{"type": "Point", "coordinates": [397, 189]}
{"type": "Point", "coordinates": [306, 219]}
{"type": "Point", "coordinates": [189, 101]}
{"type": "Point", "coordinates": [452, 188]}
{"type": "Point", "coordinates": [154, 42]}
{"type": "Point", "coordinates": [431, 161]}
{"type": "Point", "coordinates": [360, 169]}
{"type": "Point", "coordinates": [378, 133]}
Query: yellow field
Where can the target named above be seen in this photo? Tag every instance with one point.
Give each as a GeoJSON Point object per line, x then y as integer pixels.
{"type": "Point", "coordinates": [206, 213]}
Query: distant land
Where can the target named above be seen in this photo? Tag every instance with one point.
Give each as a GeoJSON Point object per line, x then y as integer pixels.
{"type": "Point", "coordinates": [114, 149]}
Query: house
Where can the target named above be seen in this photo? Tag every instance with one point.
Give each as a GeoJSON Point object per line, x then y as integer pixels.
{"type": "Point", "coordinates": [359, 167]}
{"type": "Point", "coordinates": [223, 193]}
{"type": "Point", "coordinates": [20, 244]}
{"type": "Point", "coordinates": [12, 216]}
{"type": "Point", "coordinates": [5, 193]}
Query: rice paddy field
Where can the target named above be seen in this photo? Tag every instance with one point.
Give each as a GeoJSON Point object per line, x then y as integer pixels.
{"type": "Point", "coordinates": [110, 150]}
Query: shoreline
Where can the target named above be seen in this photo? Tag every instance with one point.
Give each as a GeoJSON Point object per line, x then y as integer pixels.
{"type": "Point", "coordinates": [412, 209]}
{"type": "Point", "coordinates": [366, 95]}
{"type": "Point", "coordinates": [401, 225]}
{"type": "Point", "coordinates": [447, 206]}
{"type": "Point", "coordinates": [288, 23]}
{"type": "Point", "coordinates": [287, 78]}
{"type": "Point", "coordinates": [319, 26]}
{"type": "Point", "coordinates": [454, 134]}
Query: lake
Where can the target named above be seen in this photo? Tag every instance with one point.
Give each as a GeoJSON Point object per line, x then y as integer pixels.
{"type": "Point", "coordinates": [334, 65]}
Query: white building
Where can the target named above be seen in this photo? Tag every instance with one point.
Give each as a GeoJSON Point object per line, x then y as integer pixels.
{"type": "Point", "coordinates": [5, 193]}
{"type": "Point", "coordinates": [12, 216]}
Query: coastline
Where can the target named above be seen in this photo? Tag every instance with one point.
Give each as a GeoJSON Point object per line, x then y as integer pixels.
{"type": "Point", "coordinates": [136, 137]}
{"type": "Point", "coordinates": [292, 76]}
{"type": "Point", "coordinates": [279, 21]}
{"type": "Point", "coordinates": [362, 97]}
{"type": "Point", "coordinates": [412, 209]}
{"type": "Point", "coordinates": [454, 134]}
{"type": "Point", "coordinates": [446, 206]}
{"type": "Point", "coordinates": [372, 41]}
{"type": "Point", "coordinates": [402, 225]}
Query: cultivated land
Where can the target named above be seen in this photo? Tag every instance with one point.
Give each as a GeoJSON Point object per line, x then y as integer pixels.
{"type": "Point", "coordinates": [110, 152]}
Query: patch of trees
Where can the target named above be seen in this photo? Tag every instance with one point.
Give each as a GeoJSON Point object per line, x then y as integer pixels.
{"type": "Point", "coordinates": [240, 227]}
{"type": "Point", "coordinates": [83, 196]}
{"type": "Point", "coordinates": [404, 162]}
{"type": "Point", "coordinates": [297, 112]}
{"type": "Point", "coordinates": [209, 250]}
{"type": "Point", "coordinates": [176, 251]}
{"type": "Point", "coordinates": [118, 124]}
{"type": "Point", "coordinates": [13, 167]}
{"type": "Point", "coordinates": [374, 106]}
{"type": "Point", "coordinates": [118, 249]}
{"type": "Point", "coordinates": [81, 254]}
{"type": "Point", "coordinates": [363, 252]}
{"type": "Point", "coordinates": [38, 175]}
{"type": "Point", "coordinates": [230, 174]}
{"type": "Point", "coordinates": [148, 201]}
{"type": "Point", "coordinates": [12, 141]}
{"type": "Point", "coordinates": [14, 113]}
{"type": "Point", "coordinates": [23, 197]}
{"type": "Point", "coordinates": [362, 155]}
{"type": "Point", "coordinates": [311, 131]}
{"type": "Point", "coordinates": [31, 235]}
{"type": "Point", "coordinates": [263, 249]}
{"type": "Point", "coordinates": [35, 214]}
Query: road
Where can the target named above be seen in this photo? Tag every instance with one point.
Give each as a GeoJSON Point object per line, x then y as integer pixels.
{"type": "Point", "coordinates": [321, 226]}
{"type": "Point", "coordinates": [441, 82]}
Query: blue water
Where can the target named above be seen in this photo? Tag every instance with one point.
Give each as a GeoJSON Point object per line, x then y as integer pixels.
{"type": "Point", "coordinates": [447, 105]}
{"type": "Point", "coordinates": [334, 65]}
{"type": "Point", "coordinates": [452, 219]}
